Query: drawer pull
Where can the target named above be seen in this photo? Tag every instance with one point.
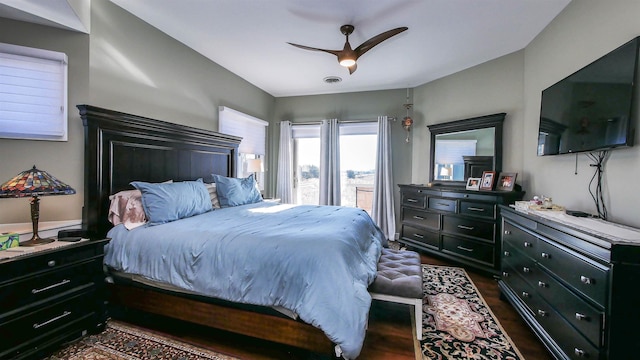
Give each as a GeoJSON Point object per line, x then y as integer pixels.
{"type": "Point", "coordinates": [476, 209]}
{"type": "Point", "coordinates": [418, 217]}
{"type": "Point", "coordinates": [526, 269]}
{"type": "Point", "coordinates": [525, 294]}
{"type": "Point", "coordinates": [463, 227]}
{"type": "Point", "coordinates": [64, 314]}
{"type": "Point", "coordinates": [507, 254]}
{"type": "Point", "coordinates": [443, 204]}
{"type": "Point", "coordinates": [63, 282]}
{"type": "Point", "coordinates": [582, 317]}
{"type": "Point", "coordinates": [586, 280]}
{"type": "Point", "coordinates": [412, 200]}
{"type": "Point", "coordinates": [419, 236]}
{"type": "Point", "coordinates": [507, 232]}
{"type": "Point", "coordinates": [464, 248]}
{"type": "Point", "coordinates": [505, 274]}
{"type": "Point", "coordinates": [51, 263]}
{"type": "Point", "coordinates": [542, 313]}
{"type": "Point", "coordinates": [545, 255]}
{"type": "Point", "coordinates": [542, 284]}
{"type": "Point", "coordinates": [579, 352]}
{"type": "Point", "coordinates": [527, 244]}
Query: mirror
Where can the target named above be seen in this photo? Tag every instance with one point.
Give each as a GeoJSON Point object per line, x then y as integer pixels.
{"type": "Point", "coordinates": [465, 148]}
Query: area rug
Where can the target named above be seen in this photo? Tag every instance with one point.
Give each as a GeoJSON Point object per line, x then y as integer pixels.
{"type": "Point", "coordinates": [457, 323]}
{"type": "Point", "coordinates": [124, 342]}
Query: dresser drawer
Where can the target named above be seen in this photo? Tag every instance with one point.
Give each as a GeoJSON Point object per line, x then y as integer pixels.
{"type": "Point", "coordinates": [478, 209]}
{"type": "Point", "coordinates": [587, 277]}
{"type": "Point", "coordinates": [426, 237]}
{"type": "Point", "coordinates": [27, 290]}
{"type": "Point", "coordinates": [521, 288]}
{"type": "Point", "coordinates": [519, 239]}
{"type": "Point", "coordinates": [421, 218]}
{"type": "Point", "coordinates": [469, 227]}
{"type": "Point", "coordinates": [468, 249]}
{"type": "Point", "coordinates": [572, 343]}
{"type": "Point", "coordinates": [441, 204]}
{"type": "Point", "coordinates": [414, 199]}
{"type": "Point", "coordinates": [39, 324]}
{"type": "Point", "coordinates": [584, 317]}
{"type": "Point", "coordinates": [519, 262]}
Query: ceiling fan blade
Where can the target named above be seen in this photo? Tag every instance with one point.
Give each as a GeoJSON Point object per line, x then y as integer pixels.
{"type": "Point", "coordinates": [367, 45]}
{"type": "Point", "coordinates": [334, 52]}
{"type": "Point", "coordinates": [352, 68]}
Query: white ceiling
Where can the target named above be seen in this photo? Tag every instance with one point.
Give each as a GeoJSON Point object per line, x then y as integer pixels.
{"type": "Point", "coordinates": [249, 37]}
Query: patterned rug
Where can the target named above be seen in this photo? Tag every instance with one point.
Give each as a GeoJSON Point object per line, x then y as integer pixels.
{"type": "Point", "coordinates": [457, 323]}
{"type": "Point", "coordinates": [124, 342]}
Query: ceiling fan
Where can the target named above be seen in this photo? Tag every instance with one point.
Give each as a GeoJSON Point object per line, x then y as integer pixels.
{"type": "Point", "coordinates": [347, 57]}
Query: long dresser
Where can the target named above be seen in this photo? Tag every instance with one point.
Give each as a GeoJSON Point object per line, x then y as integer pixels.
{"type": "Point", "coordinates": [573, 282]}
{"type": "Point", "coordinates": [454, 223]}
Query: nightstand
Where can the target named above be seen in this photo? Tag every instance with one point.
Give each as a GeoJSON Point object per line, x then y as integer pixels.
{"type": "Point", "coordinates": [50, 295]}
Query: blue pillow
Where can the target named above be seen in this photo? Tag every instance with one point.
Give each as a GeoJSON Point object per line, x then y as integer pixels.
{"type": "Point", "coordinates": [236, 191]}
{"type": "Point", "coordinates": [163, 203]}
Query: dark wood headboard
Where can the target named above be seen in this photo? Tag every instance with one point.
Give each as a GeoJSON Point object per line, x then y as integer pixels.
{"type": "Point", "coordinates": [121, 148]}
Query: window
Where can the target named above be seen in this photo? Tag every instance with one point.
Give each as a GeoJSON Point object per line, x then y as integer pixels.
{"type": "Point", "coordinates": [33, 100]}
{"type": "Point", "coordinates": [253, 132]}
{"type": "Point", "coordinates": [358, 142]}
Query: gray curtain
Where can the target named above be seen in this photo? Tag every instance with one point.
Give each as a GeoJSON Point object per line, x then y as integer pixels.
{"type": "Point", "coordinates": [383, 212]}
{"type": "Point", "coordinates": [329, 162]}
{"type": "Point", "coordinates": [284, 188]}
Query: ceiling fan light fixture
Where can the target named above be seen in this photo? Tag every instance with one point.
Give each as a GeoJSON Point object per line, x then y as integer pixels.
{"type": "Point", "coordinates": [347, 60]}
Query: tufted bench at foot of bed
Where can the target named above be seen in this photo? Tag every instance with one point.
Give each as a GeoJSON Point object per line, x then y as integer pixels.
{"type": "Point", "coordinates": [399, 280]}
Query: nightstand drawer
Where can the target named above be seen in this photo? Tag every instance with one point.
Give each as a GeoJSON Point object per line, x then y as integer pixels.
{"type": "Point", "coordinates": [41, 323]}
{"type": "Point", "coordinates": [25, 291]}
{"type": "Point", "coordinates": [469, 249]}
{"type": "Point", "coordinates": [50, 260]}
{"type": "Point", "coordinates": [421, 218]}
{"type": "Point", "coordinates": [586, 276]}
{"type": "Point", "coordinates": [468, 227]}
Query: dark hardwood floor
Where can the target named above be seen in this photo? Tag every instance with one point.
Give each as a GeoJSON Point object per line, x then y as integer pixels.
{"type": "Point", "coordinates": [389, 335]}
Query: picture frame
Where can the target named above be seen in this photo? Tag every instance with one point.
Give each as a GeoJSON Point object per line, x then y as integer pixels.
{"type": "Point", "coordinates": [473, 183]}
{"type": "Point", "coordinates": [488, 179]}
{"type": "Point", "coordinates": [506, 181]}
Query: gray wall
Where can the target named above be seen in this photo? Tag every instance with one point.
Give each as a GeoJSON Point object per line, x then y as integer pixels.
{"type": "Point", "coordinates": [124, 65]}
{"type": "Point", "coordinates": [583, 32]}
{"type": "Point", "coordinates": [350, 106]}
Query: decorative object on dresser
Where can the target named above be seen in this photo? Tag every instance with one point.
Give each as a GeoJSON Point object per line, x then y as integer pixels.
{"type": "Point", "coordinates": [49, 295]}
{"type": "Point", "coordinates": [506, 181]}
{"type": "Point", "coordinates": [488, 179]}
{"type": "Point", "coordinates": [473, 183]}
{"type": "Point", "coordinates": [34, 183]}
{"type": "Point", "coordinates": [571, 279]}
{"type": "Point", "coordinates": [454, 223]}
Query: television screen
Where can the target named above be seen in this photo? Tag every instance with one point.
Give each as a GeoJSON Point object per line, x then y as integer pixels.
{"type": "Point", "coordinates": [592, 109]}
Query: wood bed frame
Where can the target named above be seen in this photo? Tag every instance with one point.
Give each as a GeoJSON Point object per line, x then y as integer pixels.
{"type": "Point", "coordinates": [120, 148]}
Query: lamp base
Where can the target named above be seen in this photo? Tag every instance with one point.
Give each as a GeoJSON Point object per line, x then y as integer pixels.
{"type": "Point", "coordinates": [37, 240]}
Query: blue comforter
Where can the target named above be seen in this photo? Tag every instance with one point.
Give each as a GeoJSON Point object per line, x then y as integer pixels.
{"type": "Point", "coordinates": [314, 260]}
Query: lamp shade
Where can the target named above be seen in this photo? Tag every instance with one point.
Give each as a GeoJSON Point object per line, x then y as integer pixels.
{"type": "Point", "coordinates": [254, 165]}
{"type": "Point", "coordinates": [445, 171]}
{"type": "Point", "coordinates": [34, 182]}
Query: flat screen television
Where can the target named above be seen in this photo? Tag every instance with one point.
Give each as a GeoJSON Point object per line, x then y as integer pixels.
{"type": "Point", "coordinates": [594, 108]}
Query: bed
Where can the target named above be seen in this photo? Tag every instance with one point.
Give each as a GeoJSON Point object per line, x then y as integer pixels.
{"type": "Point", "coordinates": [123, 148]}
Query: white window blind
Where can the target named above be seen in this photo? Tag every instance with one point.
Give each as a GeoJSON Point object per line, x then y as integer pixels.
{"type": "Point", "coordinates": [33, 93]}
{"type": "Point", "coordinates": [359, 128]}
{"type": "Point", "coordinates": [252, 130]}
{"type": "Point", "coordinates": [305, 131]}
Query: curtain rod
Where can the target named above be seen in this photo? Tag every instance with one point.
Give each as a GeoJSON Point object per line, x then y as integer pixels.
{"type": "Point", "coordinates": [392, 118]}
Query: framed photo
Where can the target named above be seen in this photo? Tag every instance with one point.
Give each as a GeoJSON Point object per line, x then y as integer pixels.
{"type": "Point", "coordinates": [473, 183]}
{"type": "Point", "coordinates": [506, 181]}
{"type": "Point", "coordinates": [488, 179]}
